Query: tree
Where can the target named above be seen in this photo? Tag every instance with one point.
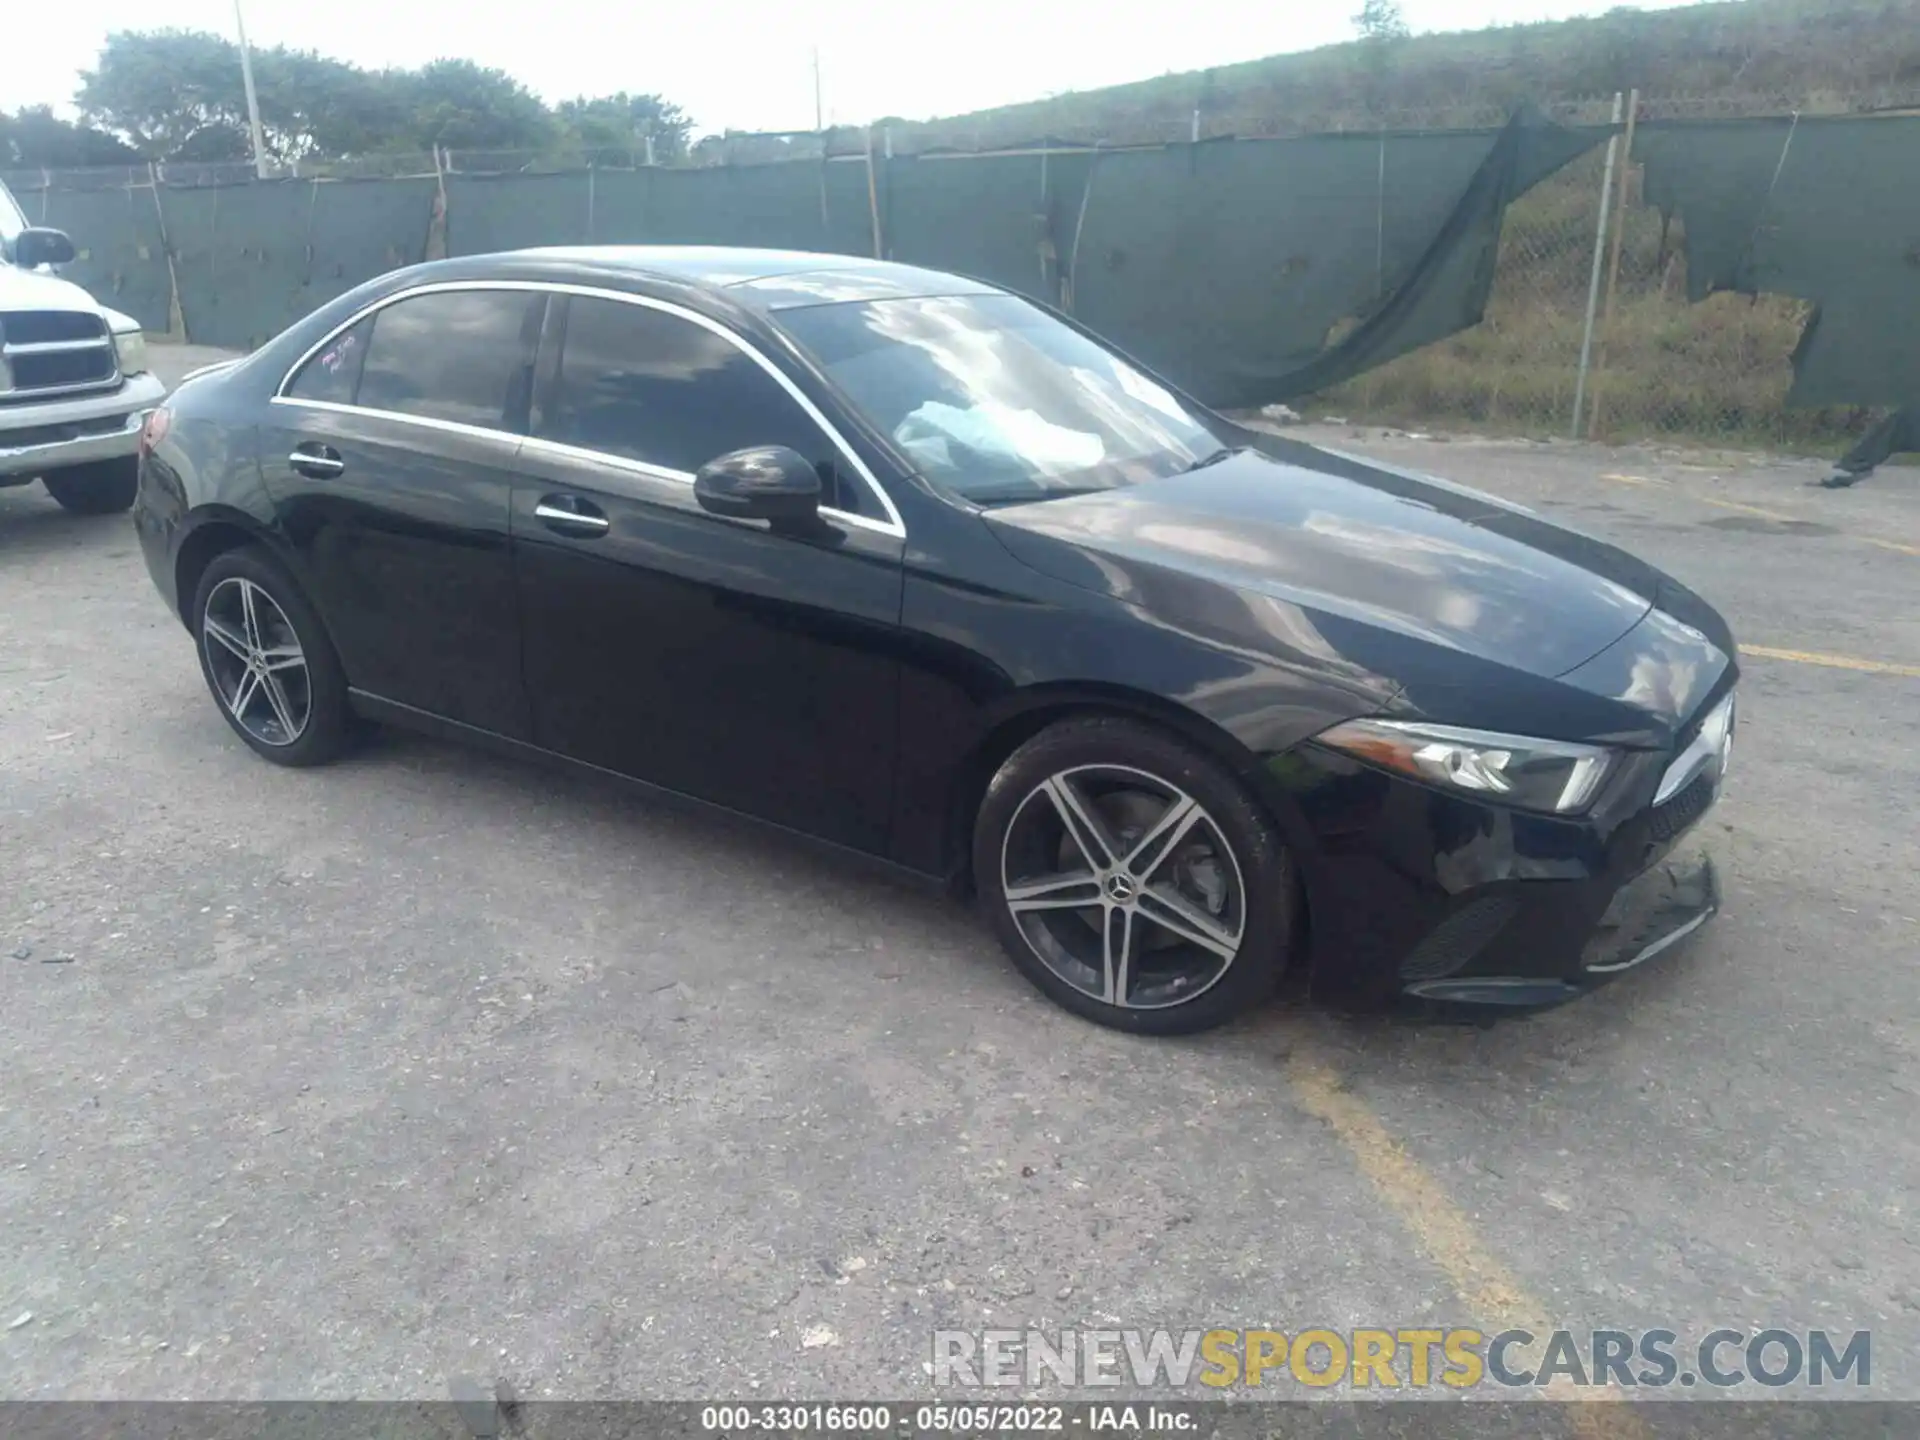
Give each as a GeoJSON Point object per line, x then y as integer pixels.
{"type": "Point", "coordinates": [310, 105]}
{"type": "Point", "coordinates": [1382, 29]}
{"type": "Point", "coordinates": [624, 122]}
{"type": "Point", "coordinates": [1381, 20]}
{"type": "Point", "coordinates": [461, 105]}
{"type": "Point", "coordinates": [180, 95]}
{"type": "Point", "coordinates": [164, 90]}
{"type": "Point", "coordinates": [37, 138]}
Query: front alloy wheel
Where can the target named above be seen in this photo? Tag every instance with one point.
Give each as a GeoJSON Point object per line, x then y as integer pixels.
{"type": "Point", "coordinates": [1132, 879]}
{"type": "Point", "coordinates": [1123, 886]}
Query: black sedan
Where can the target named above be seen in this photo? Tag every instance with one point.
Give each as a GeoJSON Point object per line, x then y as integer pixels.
{"type": "Point", "coordinates": [922, 570]}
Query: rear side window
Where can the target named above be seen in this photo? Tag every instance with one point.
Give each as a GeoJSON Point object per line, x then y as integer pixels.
{"type": "Point", "coordinates": [649, 386]}
{"type": "Point", "coordinates": [334, 374]}
{"type": "Point", "coordinates": [459, 355]}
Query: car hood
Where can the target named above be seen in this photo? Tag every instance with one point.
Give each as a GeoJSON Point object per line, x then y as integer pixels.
{"type": "Point", "coordinates": [34, 290]}
{"type": "Point", "coordinates": [1355, 553]}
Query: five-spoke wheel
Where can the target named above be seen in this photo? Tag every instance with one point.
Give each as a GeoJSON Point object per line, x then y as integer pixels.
{"type": "Point", "coordinates": [1123, 885]}
{"type": "Point", "coordinates": [268, 661]}
{"type": "Point", "coordinates": [259, 670]}
{"type": "Point", "coordinates": [1131, 878]}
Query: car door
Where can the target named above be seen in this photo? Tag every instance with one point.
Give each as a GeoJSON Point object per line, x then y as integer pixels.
{"type": "Point", "coordinates": [707, 655]}
{"type": "Point", "coordinates": [389, 455]}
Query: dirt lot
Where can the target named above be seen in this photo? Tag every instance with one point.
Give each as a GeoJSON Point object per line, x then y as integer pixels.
{"type": "Point", "coordinates": [342, 1083]}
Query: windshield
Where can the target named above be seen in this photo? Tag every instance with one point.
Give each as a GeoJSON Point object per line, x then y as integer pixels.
{"type": "Point", "coordinates": [12, 222]}
{"type": "Point", "coordinates": [996, 401]}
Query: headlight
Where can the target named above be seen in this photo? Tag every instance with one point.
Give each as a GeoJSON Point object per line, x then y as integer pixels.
{"type": "Point", "coordinates": [131, 348]}
{"type": "Point", "coordinates": [1551, 775]}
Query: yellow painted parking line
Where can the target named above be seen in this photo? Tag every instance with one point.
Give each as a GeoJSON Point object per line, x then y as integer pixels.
{"type": "Point", "coordinates": [1744, 509]}
{"type": "Point", "coordinates": [1443, 1230]}
{"type": "Point", "coordinates": [1833, 662]}
{"type": "Point", "coordinates": [1898, 546]}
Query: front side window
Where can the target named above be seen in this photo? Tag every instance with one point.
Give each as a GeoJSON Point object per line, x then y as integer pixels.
{"type": "Point", "coordinates": [460, 355]}
{"type": "Point", "coordinates": [654, 387]}
{"type": "Point", "coordinates": [995, 401]}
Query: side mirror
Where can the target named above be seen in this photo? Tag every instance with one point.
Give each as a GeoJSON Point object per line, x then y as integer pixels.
{"type": "Point", "coordinates": [763, 482]}
{"type": "Point", "coordinates": [35, 247]}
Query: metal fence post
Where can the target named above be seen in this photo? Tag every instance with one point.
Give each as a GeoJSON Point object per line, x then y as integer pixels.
{"type": "Point", "coordinates": [176, 312]}
{"type": "Point", "coordinates": [873, 197]}
{"type": "Point", "coordinates": [1613, 268]}
{"type": "Point", "coordinates": [1593, 280]}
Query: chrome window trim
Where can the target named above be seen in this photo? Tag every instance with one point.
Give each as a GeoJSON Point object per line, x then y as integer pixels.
{"type": "Point", "coordinates": [892, 525]}
{"type": "Point", "coordinates": [429, 422]}
{"type": "Point", "coordinates": [601, 457]}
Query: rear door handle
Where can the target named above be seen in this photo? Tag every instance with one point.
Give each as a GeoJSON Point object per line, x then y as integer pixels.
{"type": "Point", "coordinates": [318, 462]}
{"type": "Point", "coordinates": [570, 515]}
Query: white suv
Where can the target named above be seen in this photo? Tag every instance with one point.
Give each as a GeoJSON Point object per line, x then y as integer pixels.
{"type": "Point", "coordinates": [75, 389]}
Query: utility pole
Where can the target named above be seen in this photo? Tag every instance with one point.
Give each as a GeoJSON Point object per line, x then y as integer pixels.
{"type": "Point", "coordinates": [819, 114]}
{"type": "Point", "coordinates": [253, 99]}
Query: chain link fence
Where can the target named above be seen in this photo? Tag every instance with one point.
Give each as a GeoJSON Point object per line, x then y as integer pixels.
{"type": "Point", "coordinates": [1713, 373]}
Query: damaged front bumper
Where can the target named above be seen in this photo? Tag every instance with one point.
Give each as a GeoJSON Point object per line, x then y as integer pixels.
{"type": "Point", "coordinates": [1651, 916]}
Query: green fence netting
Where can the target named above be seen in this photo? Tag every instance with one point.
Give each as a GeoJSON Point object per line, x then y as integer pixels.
{"type": "Point", "coordinates": [122, 254]}
{"type": "Point", "coordinates": [1826, 210]}
{"type": "Point", "coordinates": [251, 259]}
{"type": "Point", "coordinates": [1229, 265]}
{"type": "Point", "coordinates": [931, 210]}
{"type": "Point", "coordinates": [1226, 264]}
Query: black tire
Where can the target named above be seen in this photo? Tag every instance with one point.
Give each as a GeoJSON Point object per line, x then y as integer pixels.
{"type": "Point", "coordinates": [328, 727]}
{"type": "Point", "coordinates": [104, 487]}
{"type": "Point", "coordinates": [1102, 756]}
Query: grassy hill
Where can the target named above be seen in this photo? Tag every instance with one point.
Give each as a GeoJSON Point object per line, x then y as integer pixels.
{"type": "Point", "coordinates": [1717, 371]}
{"type": "Point", "coordinates": [1729, 58]}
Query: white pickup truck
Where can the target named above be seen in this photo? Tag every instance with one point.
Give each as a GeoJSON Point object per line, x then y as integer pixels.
{"type": "Point", "coordinates": [75, 388]}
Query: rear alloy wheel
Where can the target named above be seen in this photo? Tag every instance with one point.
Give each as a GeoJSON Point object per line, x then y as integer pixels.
{"type": "Point", "coordinates": [1132, 879]}
{"type": "Point", "coordinates": [268, 661]}
{"type": "Point", "coordinates": [104, 487]}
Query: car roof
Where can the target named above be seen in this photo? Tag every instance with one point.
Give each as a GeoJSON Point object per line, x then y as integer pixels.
{"type": "Point", "coordinates": [767, 279]}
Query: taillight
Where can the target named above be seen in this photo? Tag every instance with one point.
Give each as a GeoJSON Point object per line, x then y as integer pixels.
{"type": "Point", "coordinates": [155, 430]}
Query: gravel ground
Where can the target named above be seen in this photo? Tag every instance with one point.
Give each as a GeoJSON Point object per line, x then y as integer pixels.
{"type": "Point", "coordinates": [338, 1084]}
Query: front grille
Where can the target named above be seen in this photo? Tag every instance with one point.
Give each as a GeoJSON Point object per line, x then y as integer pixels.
{"type": "Point", "coordinates": [50, 351]}
{"type": "Point", "coordinates": [1667, 821]}
{"type": "Point", "coordinates": [49, 327]}
{"type": "Point", "coordinates": [1458, 938]}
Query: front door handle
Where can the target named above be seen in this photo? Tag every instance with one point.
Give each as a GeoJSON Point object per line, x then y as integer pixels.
{"type": "Point", "coordinates": [570, 515]}
{"type": "Point", "coordinates": [316, 461]}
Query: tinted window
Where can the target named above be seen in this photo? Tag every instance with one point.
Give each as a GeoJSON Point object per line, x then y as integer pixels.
{"type": "Point", "coordinates": [999, 402]}
{"type": "Point", "coordinates": [333, 373]}
{"type": "Point", "coordinates": [453, 355]}
{"type": "Point", "coordinates": [649, 386]}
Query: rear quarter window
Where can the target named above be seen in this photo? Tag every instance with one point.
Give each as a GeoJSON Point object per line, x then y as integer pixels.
{"type": "Point", "coordinates": [332, 376]}
{"type": "Point", "coordinates": [463, 356]}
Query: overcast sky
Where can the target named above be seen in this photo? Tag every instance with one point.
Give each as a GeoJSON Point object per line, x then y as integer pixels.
{"type": "Point", "coordinates": [746, 64]}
